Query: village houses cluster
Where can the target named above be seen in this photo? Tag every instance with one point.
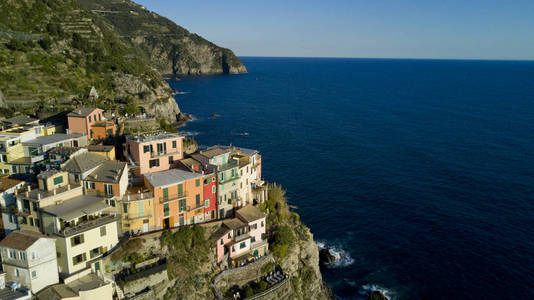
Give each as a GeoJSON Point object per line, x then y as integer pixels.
{"type": "Point", "coordinates": [67, 200]}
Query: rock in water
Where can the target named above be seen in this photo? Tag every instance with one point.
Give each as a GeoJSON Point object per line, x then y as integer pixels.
{"type": "Point", "coordinates": [376, 295]}
{"type": "Point", "coordinates": [326, 257]}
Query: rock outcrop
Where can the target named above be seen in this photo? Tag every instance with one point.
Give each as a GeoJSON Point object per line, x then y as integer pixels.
{"type": "Point", "coordinates": [171, 49]}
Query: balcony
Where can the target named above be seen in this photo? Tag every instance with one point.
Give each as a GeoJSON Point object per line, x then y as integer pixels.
{"type": "Point", "coordinates": [194, 208]}
{"type": "Point", "coordinates": [138, 196]}
{"type": "Point", "coordinates": [236, 177]}
{"type": "Point", "coordinates": [155, 154]}
{"type": "Point", "coordinates": [242, 237]}
{"type": "Point", "coordinates": [172, 198]}
{"type": "Point", "coordinates": [89, 224]}
{"type": "Point", "coordinates": [37, 158]}
{"type": "Point", "coordinates": [99, 194]}
{"type": "Point", "coordinates": [227, 166]}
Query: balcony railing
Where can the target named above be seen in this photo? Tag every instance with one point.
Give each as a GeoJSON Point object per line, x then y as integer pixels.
{"type": "Point", "coordinates": [172, 198]}
{"type": "Point", "coordinates": [236, 176]}
{"type": "Point", "coordinates": [193, 208]}
{"type": "Point", "coordinates": [229, 165]}
{"type": "Point", "coordinates": [242, 237]}
{"type": "Point", "coordinates": [99, 194]}
{"type": "Point", "coordinates": [155, 154]}
{"type": "Point", "coordinates": [89, 224]}
{"type": "Point", "coordinates": [138, 196]}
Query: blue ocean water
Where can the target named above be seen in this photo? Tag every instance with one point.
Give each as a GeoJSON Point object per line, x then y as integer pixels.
{"type": "Point", "coordinates": [420, 171]}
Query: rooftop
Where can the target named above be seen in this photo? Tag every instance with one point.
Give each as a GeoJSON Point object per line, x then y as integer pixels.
{"type": "Point", "coordinates": [64, 150]}
{"type": "Point", "coordinates": [214, 151]}
{"type": "Point", "coordinates": [250, 213]}
{"type": "Point", "coordinates": [7, 183]}
{"type": "Point", "coordinates": [47, 174]}
{"type": "Point", "coordinates": [82, 112]}
{"type": "Point", "coordinates": [9, 294]}
{"type": "Point", "coordinates": [21, 239]}
{"type": "Point", "coordinates": [170, 177]}
{"type": "Point", "coordinates": [72, 289]}
{"type": "Point", "coordinates": [108, 171]}
{"type": "Point", "coordinates": [152, 137]}
{"type": "Point", "coordinates": [76, 207]}
{"type": "Point", "coordinates": [100, 148]}
{"type": "Point", "coordinates": [234, 223]}
{"type": "Point", "coordinates": [54, 138]}
{"type": "Point", "coordinates": [83, 162]}
{"type": "Point", "coordinates": [20, 120]}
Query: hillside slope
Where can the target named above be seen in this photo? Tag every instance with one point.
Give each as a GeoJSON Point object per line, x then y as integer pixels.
{"type": "Point", "coordinates": [53, 51]}
{"type": "Point", "coordinates": [170, 48]}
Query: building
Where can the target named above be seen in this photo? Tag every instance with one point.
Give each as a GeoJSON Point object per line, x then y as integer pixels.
{"type": "Point", "coordinates": [81, 120]}
{"type": "Point", "coordinates": [108, 180]}
{"type": "Point", "coordinates": [84, 231]}
{"type": "Point", "coordinates": [84, 285]}
{"type": "Point", "coordinates": [61, 154]}
{"type": "Point", "coordinates": [80, 166]}
{"type": "Point", "coordinates": [36, 150]}
{"type": "Point", "coordinates": [241, 238]}
{"type": "Point", "coordinates": [103, 129]}
{"type": "Point", "coordinates": [106, 151]}
{"type": "Point", "coordinates": [12, 290]}
{"type": "Point", "coordinates": [177, 197]}
{"type": "Point", "coordinates": [29, 258]}
{"type": "Point", "coordinates": [252, 189]}
{"type": "Point", "coordinates": [20, 120]}
{"type": "Point", "coordinates": [226, 169]}
{"type": "Point", "coordinates": [209, 182]}
{"type": "Point", "coordinates": [256, 221]}
{"type": "Point", "coordinates": [53, 187]}
{"type": "Point", "coordinates": [154, 152]}
{"type": "Point", "coordinates": [137, 211]}
{"type": "Point", "coordinates": [12, 159]}
{"type": "Point", "coordinates": [8, 204]}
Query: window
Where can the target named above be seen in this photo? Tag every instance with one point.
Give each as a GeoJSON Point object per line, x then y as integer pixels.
{"type": "Point", "coordinates": [58, 180]}
{"type": "Point", "coordinates": [109, 189]}
{"type": "Point", "coordinates": [95, 252]}
{"type": "Point", "coordinates": [12, 254]}
{"type": "Point", "coordinates": [4, 158]}
{"type": "Point", "coordinates": [153, 163]}
{"type": "Point", "coordinates": [213, 189]}
{"type": "Point", "coordinates": [233, 248]}
{"type": "Point", "coordinates": [90, 119]}
{"type": "Point", "coordinates": [31, 221]}
{"type": "Point", "coordinates": [261, 223]}
{"type": "Point", "coordinates": [165, 194]}
{"type": "Point", "coordinates": [166, 209]}
{"type": "Point", "coordinates": [125, 208]}
{"type": "Point", "coordinates": [35, 255]}
{"type": "Point", "coordinates": [79, 259]}
{"type": "Point", "coordinates": [171, 160]}
{"type": "Point", "coordinates": [242, 245]}
{"type": "Point", "coordinates": [180, 189]}
{"type": "Point", "coordinates": [34, 274]}
{"type": "Point", "coordinates": [253, 239]}
{"type": "Point", "coordinates": [146, 148]}
{"type": "Point", "coordinates": [232, 173]}
{"type": "Point", "coordinates": [222, 241]}
{"type": "Point", "coordinates": [103, 231]}
{"type": "Point", "coordinates": [222, 176]}
{"type": "Point", "coordinates": [174, 144]}
{"type": "Point", "coordinates": [76, 240]}
{"type": "Point", "coordinates": [229, 235]}
{"type": "Point", "coordinates": [197, 182]}
{"type": "Point", "coordinates": [207, 203]}
{"type": "Point", "coordinates": [17, 273]}
{"type": "Point", "coordinates": [89, 185]}
{"type": "Point", "coordinates": [197, 198]}
{"type": "Point", "coordinates": [213, 179]}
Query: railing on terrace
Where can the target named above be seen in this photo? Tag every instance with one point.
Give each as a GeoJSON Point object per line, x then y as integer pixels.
{"type": "Point", "coordinates": [172, 198]}
{"type": "Point", "coordinates": [163, 153]}
{"type": "Point", "coordinates": [137, 196]}
{"type": "Point", "coordinates": [37, 194]}
{"type": "Point", "coordinates": [236, 176]}
{"type": "Point", "coordinates": [99, 194]}
{"type": "Point", "coordinates": [196, 207]}
{"type": "Point", "coordinates": [89, 224]}
{"type": "Point", "coordinates": [229, 165]}
{"type": "Point", "coordinates": [271, 289]}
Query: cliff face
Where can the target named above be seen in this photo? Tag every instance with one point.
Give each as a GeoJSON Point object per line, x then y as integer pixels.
{"type": "Point", "coordinates": [171, 49]}
{"type": "Point", "coordinates": [52, 52]}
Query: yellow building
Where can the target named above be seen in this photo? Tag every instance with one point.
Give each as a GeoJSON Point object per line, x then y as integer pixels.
{"type": "Point", "coordinates": [11, 150]}
{"type": "Point", "coordinates": [137, 209]}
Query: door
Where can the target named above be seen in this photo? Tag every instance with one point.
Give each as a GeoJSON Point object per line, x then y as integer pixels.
{"type": "Point", "coordinates": [97, 266]}
{"type": "Point", "coordinates": [75, 143]}
{"type": "Point", "coordinates": [145, 227]}
{"type": "Point", "coordinates": [166, 223]}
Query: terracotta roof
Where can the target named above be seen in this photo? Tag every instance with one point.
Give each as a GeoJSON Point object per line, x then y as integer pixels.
{"type": "Point", "coordinates": [21, 239]}
{"type": "Point", "coordinates": [83, 162]}
{"type": "Point", "coordinates": [108, 171]}
{"type": "Point", "coordinates": [7, 183]}
{"type": "Point", "coordinates": [250, 213]}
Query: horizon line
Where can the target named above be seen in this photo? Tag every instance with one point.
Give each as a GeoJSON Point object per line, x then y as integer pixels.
{"type": "Point", "coordinates": [397, 58]}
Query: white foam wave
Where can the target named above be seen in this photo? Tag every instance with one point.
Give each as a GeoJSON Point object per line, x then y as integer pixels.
{"type": "Point", "coordinates": [343, 258]}
{"type": "Point", "coordinates": [369, 288]}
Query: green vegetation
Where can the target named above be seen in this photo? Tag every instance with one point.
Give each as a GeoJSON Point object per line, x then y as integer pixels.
{"type": "Point", "coordinates": [166, 126]}
{"type": "Point", "coordinates": [188, 248]}
{"type": "Point", "coordinates": [129, 251]}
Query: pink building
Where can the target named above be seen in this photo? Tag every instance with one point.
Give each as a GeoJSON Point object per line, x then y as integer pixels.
{"type": "Point", "coordinates": [255, 219]}
{"type": "Point", "coordinates": [82, 119]}
{"type": "Point", "coordinates": [155, 152]}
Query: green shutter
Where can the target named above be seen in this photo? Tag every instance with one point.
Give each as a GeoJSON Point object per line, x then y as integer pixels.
{"type": "Point", "coordinates": [140, 208]}
{"type": "Point", "coordinates": [180, 189]}
{"type": "Point", "coordinates": [166, 209]}
{"type": "Point", "coordinates": [58, 180]}
{"type": "Point", "coordinates": [197, 182]}
{"type": "Point", "coordinates": [125, 207]}
{"type": "Point", "coordinates": [165, 194]}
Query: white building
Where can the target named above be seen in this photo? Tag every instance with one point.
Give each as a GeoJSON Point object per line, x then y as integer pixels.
{"type": "Point", "coordinates": [8, 202]}
{"type": "Point", "coordinates": [29, 258]}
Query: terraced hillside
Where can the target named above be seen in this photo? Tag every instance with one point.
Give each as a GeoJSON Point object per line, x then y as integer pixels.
{"type": "Point", "coordinates": [169, 47]}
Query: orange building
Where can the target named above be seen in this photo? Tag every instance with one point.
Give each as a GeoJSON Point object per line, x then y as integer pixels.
{"type": "Point", "coordinates": [178, 197]}
{"type": "Point", "coordinates": [82, 119]}
{"type": "Point", "coordinates": [102, 129]}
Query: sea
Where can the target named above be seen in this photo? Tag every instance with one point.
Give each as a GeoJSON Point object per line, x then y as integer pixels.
{"type": "Point", "coordinates": [419, 174]}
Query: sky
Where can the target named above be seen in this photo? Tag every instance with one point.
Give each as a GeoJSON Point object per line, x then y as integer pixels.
{"type": "Point", "coordinates": [449, 29]}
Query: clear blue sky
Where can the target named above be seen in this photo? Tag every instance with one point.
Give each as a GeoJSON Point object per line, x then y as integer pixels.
{"type": "Point", "coordinates": [485, 29]}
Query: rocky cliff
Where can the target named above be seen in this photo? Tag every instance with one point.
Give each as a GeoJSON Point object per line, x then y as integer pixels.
{"type": "Point", "coordinates": [171, 49]}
